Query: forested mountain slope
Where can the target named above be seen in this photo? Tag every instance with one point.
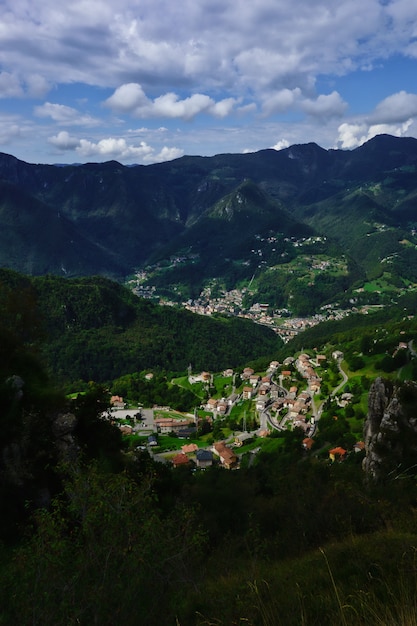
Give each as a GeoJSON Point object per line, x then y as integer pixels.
{"type": "Point", "coordinates": [96, 329]}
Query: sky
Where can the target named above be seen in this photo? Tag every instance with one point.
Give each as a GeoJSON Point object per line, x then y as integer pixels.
{"type": "Point", "coordinates": [146, 81]}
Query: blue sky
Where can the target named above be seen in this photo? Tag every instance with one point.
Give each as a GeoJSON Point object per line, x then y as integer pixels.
{"type": "Point", "coordinates": [144, 81]}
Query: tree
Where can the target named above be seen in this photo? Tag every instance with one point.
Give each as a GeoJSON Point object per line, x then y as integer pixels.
{"type": "Point", "coordinates": [103, 554]}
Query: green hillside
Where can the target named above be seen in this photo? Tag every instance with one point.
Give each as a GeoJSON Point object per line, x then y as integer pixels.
{"type": "Point", "coordinates": [96, 329]}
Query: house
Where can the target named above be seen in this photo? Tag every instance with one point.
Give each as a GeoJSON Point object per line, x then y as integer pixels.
{"type": "Point", "coordinates": [308, 443]}
{"type": "Point", "coordinates": [320, 359]}
{"type": "Point", "coordinates": [167, 425]}
{"type": "Point", "coordinates": [180, 460]}
{"type": "Point", "coordinates": [314, 386]}
{"type": "Point", "coordinates": [232, 399]}
{"type": "Point", "coordinates": [222, 407]}
{"type": "Point", "coordinates": [247, 393]}
{"type": "Point", "coordinates": [304, 397]}
{"type": "Point", "coordinates": [273, 392]}
{"type": "Point", "coordinates": [247, 373]}
{"type": "Point", "coordinates": [211, 404]}
{"type": "Point", "coordinates": [187, 432]}
{"type": "Point", "coordinates": [263, 389]}
{"type": "Point", "coordinates": [254, 379]}
{"type": "Point", "coordinates": [227, 457]}
{"type": "Point", "coordinates": [337, 454]}
{"type": "Point", "coordinates": [278, 404]}
{"type": "Point", "coordinates": [359, 446]}
{"type": "Point", "coordinates": [189, 448]}
{"type": "Point", "coordinates": [300, 422]}
{"type": "Point", "coordinates": [204, 458]}
{"type": "Point", "coordinates": [117, 402]}
{"type": "Point", "coordinates": [298, 408]}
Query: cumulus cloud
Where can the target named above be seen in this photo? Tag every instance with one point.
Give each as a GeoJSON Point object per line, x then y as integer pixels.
{"type": "Point", "coordinates": [233, 45]}
{"type": "Point", "coordinates": [131, 98]}
{"type": "Point", "coordinates": [118, 148]}
{"type": "Point", "coordinates": [158, 59]}
{"type": "Point", "coordinates": [280, 101]}
{"type": "Point", "coordinates": [127, 98]}
{"type": "Point", "coordinates": [63, 114]}
{"type": "Point", "coordinates": [63, 141]}
{"type": "Point", "coordinates": [352, 135]}
{"type": "Point", "coordinates": [394, 115]}
{"type": "Point", "coordinates": [399, 107]}
{"type": "Point", "coordinates": [37, 86]}
{"type": "Point", "coordinates": [14, 86]}
{"type": "Point", "coordinates": [113, 148]}
{"type": "Point", "coordinates": [10, 86]}
{"type": "Point", "coordinates": [325, 106]}
{"type": "Point", "coordinates": [281, 144]}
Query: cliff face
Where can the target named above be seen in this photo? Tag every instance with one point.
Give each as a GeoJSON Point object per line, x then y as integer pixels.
{"type": "Point", "coordinates": [390, 430]}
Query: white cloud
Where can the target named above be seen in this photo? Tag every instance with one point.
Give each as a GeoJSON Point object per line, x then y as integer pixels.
{"type": "Point", "coordinates": [325, 106]}
{"type": "Point", "coordinates": [281, 144]}
{"type": "Point", "coordinates": [160, 60]}
{"type": "Point", "coordinates": [234, 46]}
{"type": "Point", "coordinates": [63, 141]}
{"type": "Point", "coordinates": [118, 148]}
{"type": "Point", "coordinates": [127, 98]}
{"type": "Point", "coordinates": [10, 86]}
{"type": "Point", "coordinates": [113, 148]}
{"type": "Point", "coordinates": [63, 114]}
{"type": "Point", "coordinates": [166, 154]}
{"type": "Point", "coordinates": [280, 101]}
{"type": "Point", "coordinates": [37, 86]}
{"type": "Point", "coordinates": [394, 116]}
{"type": "Point", "coordinates": [399, 107]}
{"type": "Point", "coordinates": [14, 86]}
{"type": "Point", "coordinates": [131, 98]}
{"type": "Point", "coordinates": [354, 135]}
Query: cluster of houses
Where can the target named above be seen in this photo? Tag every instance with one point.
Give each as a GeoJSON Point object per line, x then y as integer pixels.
{"type": "Point", "coordinates": [204, 458]}
{"type": "Point", "coordinates": [286, 408]}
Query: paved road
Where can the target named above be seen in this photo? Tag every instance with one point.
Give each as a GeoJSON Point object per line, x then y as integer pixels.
{"type": "Point", "coordinates": [344, 378]}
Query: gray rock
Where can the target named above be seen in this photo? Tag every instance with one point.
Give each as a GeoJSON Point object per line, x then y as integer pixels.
{"type": "Point", "coordinates": [390, 430]}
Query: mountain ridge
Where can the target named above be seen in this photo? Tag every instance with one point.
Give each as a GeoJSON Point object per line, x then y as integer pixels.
{"type": "Point", "coordinates": [123, 218]}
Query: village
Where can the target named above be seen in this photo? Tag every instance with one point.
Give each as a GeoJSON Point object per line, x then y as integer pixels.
{"type": "Point", "coordinates": [284, 398]}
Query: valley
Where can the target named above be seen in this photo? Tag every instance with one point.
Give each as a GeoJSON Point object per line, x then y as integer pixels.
{"type": "Point", "coordinates": [299, 229]}
{"type": "Point", "coordinates": [154, 283]}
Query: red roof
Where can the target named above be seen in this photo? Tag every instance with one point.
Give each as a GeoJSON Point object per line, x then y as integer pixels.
{"type": "Point", "coordinates": [180, 459]}
{"type": "Point", "coordinates": [338, 451]}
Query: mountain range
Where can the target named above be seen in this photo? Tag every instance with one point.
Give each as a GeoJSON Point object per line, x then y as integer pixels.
{"type": "Point", "coordinates": [303, 219]}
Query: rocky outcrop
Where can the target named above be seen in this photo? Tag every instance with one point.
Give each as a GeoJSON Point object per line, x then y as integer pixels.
{"type": "Point", "coordinates": [63, 430]}
{"type": "Point", "coordinates": [390, 430]}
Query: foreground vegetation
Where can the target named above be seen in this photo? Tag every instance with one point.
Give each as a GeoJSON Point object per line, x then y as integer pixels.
{"type": "Point", "coordinates": [95, 531]}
